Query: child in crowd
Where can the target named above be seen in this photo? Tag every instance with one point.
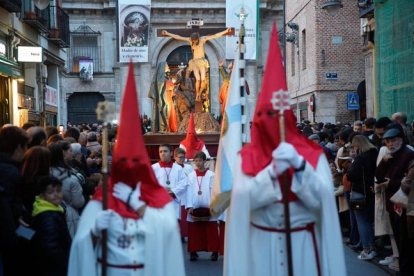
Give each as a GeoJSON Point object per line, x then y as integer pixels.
{"type": "Point", "coordinates": [342, 203]}
{"type": "Point", "coordinates": [52, 240]}
{"type": "Point", "coordinates": [202, 228]}
{"type": "Point", "coordinates": [179, 157]}
{"type": "Point", "coordinates": [95, 162]}
{"type": "Point", "coordinates": [96, 180]}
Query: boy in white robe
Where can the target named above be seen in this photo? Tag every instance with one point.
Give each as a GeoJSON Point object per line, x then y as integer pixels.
{"type": "Point", "coordinates": [202, 227]}
{"type": "Point", "coordinates": [170, 176]}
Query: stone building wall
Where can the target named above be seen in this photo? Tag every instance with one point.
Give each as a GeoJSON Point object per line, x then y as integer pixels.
{"type": "Point", "coordinates": [101, 16]}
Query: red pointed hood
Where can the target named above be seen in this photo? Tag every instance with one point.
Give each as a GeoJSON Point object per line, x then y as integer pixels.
{"type": "Point", "coordinates": [130, 161]}
{"type": "Point", "coordinates": [192, 143]}
{"type": "Point", "coordinates": [265, 132]}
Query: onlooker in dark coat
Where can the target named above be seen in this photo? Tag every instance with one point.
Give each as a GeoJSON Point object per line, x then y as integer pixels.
{"type": "Point", "coordinates": [51, 130]}
{"type": "Point", "coordinates": [13, 145]}
{"type": "Point", "coordinates": [38, 136]}
{"type": "Point", "coordinates": [361, 174]}
{"type": "Point", "coordinates": [369, 124]}
{"type": "Point", "coordinates": [72, 188]}
{"type": "Point", "coordinates": [36, 163]}
{"type": "Point", "coordinates": [380, 129]}
{"type": "Point", "coordinates": [93, 144]}
{"type": "Point", "coordinates": [392, 169]}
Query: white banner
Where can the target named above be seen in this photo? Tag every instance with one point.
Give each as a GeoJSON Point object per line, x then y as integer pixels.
{"type": "Point", "coordinates": [51, 96]}
{"type": "Point", "coordinates": [233, 10]}
{"type": "Point", "coordinates": [134, 23]}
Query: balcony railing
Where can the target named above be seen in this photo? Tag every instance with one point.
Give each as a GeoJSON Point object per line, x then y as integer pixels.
{"type": "Point", "coordinates": [59, 29]}
{"type": "Point", "coordinates": [84, 52]}
{"type": "Point", "coordinates": [25, 96]}
{"type": "Point", "coordinates": [11, 5]}
{"type": "Point", "coordinates": [52, 21]}
{"type": "Point", "coordinates": [366, 8]}
{"type": "Point", "coordinates": [38, 19]}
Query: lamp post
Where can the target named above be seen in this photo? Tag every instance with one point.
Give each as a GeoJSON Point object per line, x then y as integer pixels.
{"type": "Point", "coordinates": [332, 6]}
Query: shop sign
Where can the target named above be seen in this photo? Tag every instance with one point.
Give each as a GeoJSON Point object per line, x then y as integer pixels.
{"type": "Point", "coordinates": [29, 54]}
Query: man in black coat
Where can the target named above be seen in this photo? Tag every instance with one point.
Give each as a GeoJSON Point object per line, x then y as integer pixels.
{"type": "Point", "coordinates": [13, 145]}
{"type": "Point", "coordinates": [392, 169]}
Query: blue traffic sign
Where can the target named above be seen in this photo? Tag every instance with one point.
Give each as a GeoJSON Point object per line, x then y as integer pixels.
{"type": "Point", "coordinates": [353, 101]}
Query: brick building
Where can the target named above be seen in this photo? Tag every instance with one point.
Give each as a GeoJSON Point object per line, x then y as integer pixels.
{"type": "Point", "coordinates": [324, 59]}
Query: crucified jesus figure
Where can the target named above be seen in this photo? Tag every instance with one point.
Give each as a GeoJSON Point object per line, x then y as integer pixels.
{"type": "Point", "coordinates": [199, 64]}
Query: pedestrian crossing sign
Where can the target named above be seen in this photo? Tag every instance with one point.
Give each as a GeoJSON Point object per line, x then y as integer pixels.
{"type": "Point", "coordinates": [353, 101]}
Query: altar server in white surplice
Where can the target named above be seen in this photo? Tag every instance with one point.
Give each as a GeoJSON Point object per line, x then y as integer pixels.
{"type": "Point", "coordinates": [171, 176]}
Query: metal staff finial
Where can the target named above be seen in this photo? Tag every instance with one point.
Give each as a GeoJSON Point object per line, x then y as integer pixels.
{"type": "Point", "coordinates": [281, 101]}
{"type": "Point", "coordinates": [106, 112]}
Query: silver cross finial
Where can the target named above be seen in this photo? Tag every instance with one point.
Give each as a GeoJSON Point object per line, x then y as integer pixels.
{"type": "Point", "coordinates": [281, 100]}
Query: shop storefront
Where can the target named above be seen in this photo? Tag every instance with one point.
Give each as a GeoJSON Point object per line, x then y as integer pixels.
{"type": "Point", "coordinates": [10, 72]}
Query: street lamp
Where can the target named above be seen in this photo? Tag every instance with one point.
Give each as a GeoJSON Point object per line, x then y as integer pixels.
{"type": "Point", "coordinates": [332, 6]}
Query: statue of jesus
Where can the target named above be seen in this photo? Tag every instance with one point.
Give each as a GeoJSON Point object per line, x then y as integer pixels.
{"type": "Point", "coordinates": [199, 64]}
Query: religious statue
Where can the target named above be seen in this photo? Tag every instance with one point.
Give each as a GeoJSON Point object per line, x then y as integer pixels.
{"type": "Point", "coordinates": [184, 93]}
{"type": "Point", "coordinates": [199, 64]}
{"type": "Point", "coordinates": [224, 90]}
{"type": "Point", "coordinates": [164, 117]}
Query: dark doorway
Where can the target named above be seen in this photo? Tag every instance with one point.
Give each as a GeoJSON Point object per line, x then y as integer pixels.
{"type": "Point", "coordinates": [4, 101]}
{"type": "Point", "coordinates": [361, 90]}
{"type": "Point", "coordinates": [81, 107]}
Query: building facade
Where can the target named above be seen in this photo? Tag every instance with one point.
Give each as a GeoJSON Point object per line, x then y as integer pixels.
{"type": "Point", "coordinates": [32, 57]}
{"type": "Point", "coordinates": [324, 60]}
{"type": "Point", "coordinates": [94, 36]}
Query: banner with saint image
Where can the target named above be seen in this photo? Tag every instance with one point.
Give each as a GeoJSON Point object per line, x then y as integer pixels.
{"type": "Point", "coordinates": [134, 22]}
{"type": "Point", "coordinates": [86, 69]}
{"type": "Point", "coordinates": [235, 11]}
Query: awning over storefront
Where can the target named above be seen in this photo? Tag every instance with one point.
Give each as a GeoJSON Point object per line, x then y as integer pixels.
{"type": "Point", "coordinates": [9, 68]}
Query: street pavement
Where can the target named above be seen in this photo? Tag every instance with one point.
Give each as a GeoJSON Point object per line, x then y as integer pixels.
{"type": "Point", "coordinates": [205, 267]}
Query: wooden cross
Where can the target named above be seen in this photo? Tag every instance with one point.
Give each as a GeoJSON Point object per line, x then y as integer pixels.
{"type": "Point", "coordinates": [188, 31]}
{"type": "Point", "coordinates": [195, 27]}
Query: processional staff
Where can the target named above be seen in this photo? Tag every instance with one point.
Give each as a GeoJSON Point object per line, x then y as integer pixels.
{"type": "Point", "coordinates": [106, 113]}
{"type": "Point", "coordinates": [281, 102]}
{"type": "Point", "coordinates": [242, 65]}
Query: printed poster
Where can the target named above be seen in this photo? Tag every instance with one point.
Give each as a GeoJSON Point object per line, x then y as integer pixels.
{"type": "Point", "coordinates": [235, 10]}
{"type": "Point", "coordinates": [134, 22]}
